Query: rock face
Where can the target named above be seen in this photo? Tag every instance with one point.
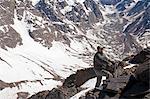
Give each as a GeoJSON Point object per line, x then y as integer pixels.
{"type": "Point", "coordinates": [53, 94]}
{"type": "Point", "coordinates": [79, 78]}
{"type": "Point", "coordinates": [84, 75]}
{"type": "Point", "coordinates": [129, 86]}
{"type": "Point", "coordinates": [139, 87]}
{"type": "Point", "coordinates": [7, 10]}
{"type": "Point", "coordinates": [117, 84]}
{"type": "Point", "coordinates": [40, 95]}
{"type": "Point", "coordinates": [141, 57]}
{"type": "Point", "coordinates": [8, 36]}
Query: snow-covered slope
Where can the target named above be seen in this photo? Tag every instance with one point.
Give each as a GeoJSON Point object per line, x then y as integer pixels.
{"type": "Point", "coordinates": [44, 41]}
{"type": "Point", "coordinates": [33, 66]}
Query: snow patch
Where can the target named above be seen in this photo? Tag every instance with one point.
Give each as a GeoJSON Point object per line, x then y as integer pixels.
{"type": "Point", "coordinates": [34, 2]}
{"type": "Point", "coordinates": [66, 9]}
{"type": "Point", "coordinates": [89, 85]}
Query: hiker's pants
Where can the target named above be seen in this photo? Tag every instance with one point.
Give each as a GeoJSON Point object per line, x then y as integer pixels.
{"type": "Point", "coordinates": [99, 74]}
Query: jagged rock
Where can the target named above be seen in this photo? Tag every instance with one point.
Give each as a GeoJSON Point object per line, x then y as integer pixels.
{"type": "Point", "coordinates": [123, 85]}
{"type": "Point", "coordinates": [132, 83]}
{"type": "Point", "coordinates": [70, 87]}
{"type": "Point", "coordinates": [116, 85]}
{"type": "Point", "coordinates": [69, 81]}
{"type": "Point", "coordinates": [22, 95]}
{"type": "Point", "coordinates": [90, 95]}
{"type": "Point", "coordinates": [3, 85]}
{"type": "Point", "coordinates": [142, 72]}
{"type": "Point", "coordinates": [135, 90]}
{"type": "Point", "coordinates": [9, 38]}
{"type": "Point", "coordinates": [139, 87]}
{"type": "Point", "coordinates": [7, 9]}
{"type": "Point", "coordinates": [143, 59]}
{"type": "Point", "coordinates": [143, 56]}
{"type": "Point", "coordinates": [40, 95]}
{"type": "Point", "coordinates": [53, 94]}
{"type": "Point", "coordinates": [79, 78]}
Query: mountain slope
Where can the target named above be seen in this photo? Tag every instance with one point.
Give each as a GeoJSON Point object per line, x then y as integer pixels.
{"type": "Point", "coordinates": [44, 41]}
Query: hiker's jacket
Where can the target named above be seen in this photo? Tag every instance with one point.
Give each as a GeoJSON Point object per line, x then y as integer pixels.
{"type": "Point", "coordinates": [100, 61]}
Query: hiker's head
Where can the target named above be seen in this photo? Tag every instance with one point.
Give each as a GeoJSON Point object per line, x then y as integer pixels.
{"type": "Point", "coordinates": [100, 49]}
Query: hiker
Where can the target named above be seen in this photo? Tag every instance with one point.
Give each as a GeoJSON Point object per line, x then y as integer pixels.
{"type": "Point", "coordinates": [101, 63]}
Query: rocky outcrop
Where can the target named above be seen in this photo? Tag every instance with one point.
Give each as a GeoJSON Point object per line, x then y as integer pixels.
{"type": "Point", "coordinates": [129, 83]}
{"type": "Point", "coordinates": [7, 12]}
{"type": "Point", "coordinates": [70, 87]}
{"type": "Point", "coordinates": [8, 36]}
{"type": "Point", "coordinates": [79, 78]}
{"type": "Point", "coordinates": [3, 85]}
{"type": "Point", "coordinates": [53, 94]}
{"type": "Point", "coordinates": [135, 86]}
{"type": "Point", "coordinates": [140, 58]}
{"type": "Point", "coordinates": [22, 95]}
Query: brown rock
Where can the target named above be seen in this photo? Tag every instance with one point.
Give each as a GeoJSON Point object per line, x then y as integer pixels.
{"type": "Point", "coordinates": [22, 95]}
{"type": "Point", "coordinates": [53, 94]}
{"type": "Point", "coordinates": [141, 57]}
{"type": "Point", "coordinates": [40, 95]}
{"type": "Point", "coordinates": [3, 85]}
{"type": "Point", "coordinates": [9, 38]}
{"type": "Point", "coordinates": [117, 84]}
{"type": "Point", "coordinates": [84, 75]}
{"type": "Point", "coordinates": [142, 72]}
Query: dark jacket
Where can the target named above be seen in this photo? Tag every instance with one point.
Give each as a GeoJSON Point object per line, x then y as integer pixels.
{"type": "Point", "coordinates": [100, 61]}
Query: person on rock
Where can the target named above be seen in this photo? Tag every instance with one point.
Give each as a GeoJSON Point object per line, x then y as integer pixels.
{"type": "Point", "coordinates": [101, 63]}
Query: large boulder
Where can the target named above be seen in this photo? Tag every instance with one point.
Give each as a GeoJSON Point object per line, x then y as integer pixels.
{"type": "Point", "coordinates": [84, 75]}
{"type": "Point", "coordinates": [116, 85]}
{"type": "Point", "coordinates": [143, 71]}
{"type": "Point", "coordinates": [79, 78]}
{"type": "Point", "coordinates": [141, 57]}
{"type": "Point", "coordinates": [139, 88]}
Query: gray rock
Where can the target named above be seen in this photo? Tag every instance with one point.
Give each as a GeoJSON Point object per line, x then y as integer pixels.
{"type": "Point", "coordinates": [3, 85]}
{"type": "Point", "coordinates": [9, 38]}
{"type": "Point", "coordinates": [84, 75]}
{"type": "Point", "coordinates": [55, 94]}
{"type": "Point", "coordinates": [116, 85]}
{"type": "Point", "coordinates": [147, 96]}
